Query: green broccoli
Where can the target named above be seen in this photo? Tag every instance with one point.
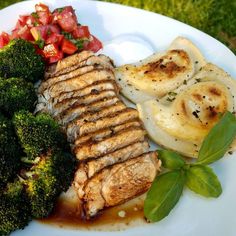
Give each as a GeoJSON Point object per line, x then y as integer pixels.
{"type": "Point", "coordinates": [9, 151]}
{"type": "Point", "coordinates": [19, 59]}
{"type": "Point", "coordinates": [38, 134]}
{"type": "Point", "coordinates": [16, 94]}
{"type": "Point", "coordinates": [51, 175]}
{"type": "Point", "coordinates": [14, 210]}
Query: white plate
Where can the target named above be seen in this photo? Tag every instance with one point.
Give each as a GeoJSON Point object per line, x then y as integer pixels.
{"type": "Point", "coordinates": [193, 215]}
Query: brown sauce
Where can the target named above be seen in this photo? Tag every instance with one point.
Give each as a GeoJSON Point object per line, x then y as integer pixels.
{"type": "Point", "coordinates": [67, 215]}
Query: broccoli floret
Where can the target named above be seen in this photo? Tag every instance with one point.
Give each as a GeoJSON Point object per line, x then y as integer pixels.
{"type": "Point", "coordinates": [9, 151]}
{"type": "Point", "coordinates": [37, 134]}
{"type": "Point", "coordinates": [16, 94]}
{"type": "Point", "coordinates": [51, 175]}
{"type": "Point", "coordinates": [14, 210]}
{"type": "Point", "coordinates": [19, 59]}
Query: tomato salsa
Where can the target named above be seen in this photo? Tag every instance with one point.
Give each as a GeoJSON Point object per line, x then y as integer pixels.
{"type": "Point", "coordinates": [55, 34]}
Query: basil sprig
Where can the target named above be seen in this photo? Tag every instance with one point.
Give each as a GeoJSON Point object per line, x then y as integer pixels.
{"type": "Point", "coordinates": [170, 160]}
{"type": "Point", "coordinates": [163, 195]}
{"type": "Point", "coordinates": [218, 140]}
{"type": "Point", "coordinates": [167, 188]}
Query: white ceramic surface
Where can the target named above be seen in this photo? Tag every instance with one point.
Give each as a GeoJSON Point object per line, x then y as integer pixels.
{"type": "Point", "coordinates": [193, 215]}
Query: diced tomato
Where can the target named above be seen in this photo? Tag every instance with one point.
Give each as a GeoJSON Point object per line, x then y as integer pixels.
{"type": "Point", "coordinates": [53, 34]}
{"type": "Point", "coordinates": [44, 14]}
{"type": "Point", "coordinates": [81, 32]}
{"type": "Point", "coordinates": [51, 50]}
{"type": "Point", "coordinates": [54, 59]}
{"type": "Point", "coordinates": [31, 21]}
{"type": "Point", "coordinates": [94, 45]}
{"type": "Point", "coordinates": [45, 17]}
{"type": "Point", "coordinates": [28, 20]}
{"type": "Point", "coordinates": [41, 7]}
{"type": "Point", "coordinates": [4, 39]}
{"type": "Point", "coordinates": [39, 32]}
{"type": "Point", "coordinates": [54, 17]}
{"type": "Point", "coordinates": [68, 47]}
{"type": "Point", "coordinates": [53, 29]}
{"type": "Point", "coordinates": [66, 18]}
{"type": "Point", "coordinates": [21, 22]}
{"type": "Point", "coordinates": [23, 33]}
{"type": "Point", "coordinates": [54, 38]}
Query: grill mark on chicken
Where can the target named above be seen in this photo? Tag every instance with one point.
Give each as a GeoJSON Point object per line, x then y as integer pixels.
{"type": "Point", "coordinates": [119, 183]}
{"type": "Point", "coordinates": [118, 156]}
{"type": "Point", "coordinates": [90, 98]}
{"type": "Point", "coordinates": [98, 135]}
{"type": "Point", "coordinates": [120, 139]}
{"type": "Point", "coordinates": [67, 64]}
{"type": "Point", "coordinates": [112, 120]}
{"type": "Point", "coordinates": [89, 169]}
{"type": "Point", "coordinates": [45, 105]}
{"type": "Point", "coordinates": [79, 82]}
{"type": "Point", "coordinates": [75, 73]}
{"type": "Point", "coordinates": [92, 63]}
{"type": "Point", "coordinates": [76, 110]}
{"type": "Point", "coordinates": [73, 127]}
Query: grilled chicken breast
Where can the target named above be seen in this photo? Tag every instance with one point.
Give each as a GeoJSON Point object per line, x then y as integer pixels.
{"type": "Point", "coordinates": [110, 144]}
{"type": "Point", "coordinates": [102, 133]}
{"type": "Point", "coordinates": [119, 183]}
{"type": "Point", "coordinates": [66, 104]}
{"type": "Point", "coordinates": [92, 167]}
{"type": "Point", "coordinates": [92, 63]}
{"type": "Point", "coordinates": [67, 64]}
{"type": "Point", "coordinates": [107, 137]}
{"type": "Point", "coordinates": [78, 82]}
{"type": "Point", "coordinates": [89, 116]}
{"type": "Point", "coordinates": [48, 105]}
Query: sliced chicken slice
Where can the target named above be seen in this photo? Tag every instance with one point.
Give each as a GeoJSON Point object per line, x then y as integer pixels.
{"type": "Point", "coordinates": [112, 120]}
{"type": "Point", "coordinates": [82, 126]}
{"type": "Point", "coordinates": [76, 110]}
{"type": "Point", "coordinates": [121, 155]}
{"type": "Point", "coordinates": [73, 127]}
{"type": "Point", "coordinates": [121, 182]}
{"type": "Point", "coordinates": [90, 168]}
{"type": "Point", "coordinates": [75, 73]}
{"type": "Point", "coordinates": [67, 64]}
{"type": "Point", "coordinates": [79, 82]}
{"type": "Point", "coordinates": [92, 63]}
{"type": "Point", "coordinates": [102, 133]}
{"type": "Point", "coordinates": [70, 102]}
{"type": "Point", "coordinates": [119, 140]}
{"type": "Point", "coordinates": [45, 105]}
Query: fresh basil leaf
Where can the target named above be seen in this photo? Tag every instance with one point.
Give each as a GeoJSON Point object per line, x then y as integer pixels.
{"type": "Point", "coordinates": [170, 160]}
{"type": "Point", "coordinates": [218, 140]}
{"type": "Point", "coordinates": [202, 180]}
{"type": "Point", "coordinates": [163, 195]}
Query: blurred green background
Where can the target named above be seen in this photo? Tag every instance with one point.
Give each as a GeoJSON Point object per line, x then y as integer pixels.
{"type": "Point", "coordinates": [215, 17]}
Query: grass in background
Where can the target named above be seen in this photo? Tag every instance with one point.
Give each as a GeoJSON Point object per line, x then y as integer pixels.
{"type": "Point", "coordinates": [5, 3]}
{"type": "Point", "coordinates": [215, 17]}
